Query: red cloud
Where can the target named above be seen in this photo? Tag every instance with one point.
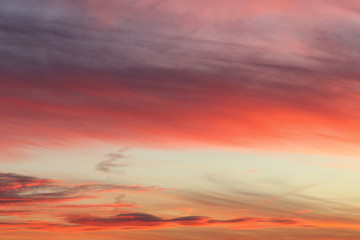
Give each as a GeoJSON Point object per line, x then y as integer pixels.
{"type": "Point", "coordinates": [146, 221]}
{"type": "Point", "coordinates": [113, 205]}
{"type": "Point", "coordinates": [113, 109]}
{"type": "Point", "coordinates": [18, 189]}
{"type": "Point", "coordinates": [227, 80]}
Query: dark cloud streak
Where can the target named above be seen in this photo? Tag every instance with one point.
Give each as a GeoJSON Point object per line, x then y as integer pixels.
{"type": "Point", "coordinates": [145, 221]}
{"type": "Point", "coordinates": [113, 163]}
{"type": "Point", "coordinates": [22, 190]}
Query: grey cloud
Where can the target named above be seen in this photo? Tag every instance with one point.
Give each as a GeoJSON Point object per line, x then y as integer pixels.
{"type": "Point", "coordinates": [113, 164]}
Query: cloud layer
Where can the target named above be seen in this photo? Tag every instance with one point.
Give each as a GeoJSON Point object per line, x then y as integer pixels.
{"type": "Point", "coordinates": [264, 74]}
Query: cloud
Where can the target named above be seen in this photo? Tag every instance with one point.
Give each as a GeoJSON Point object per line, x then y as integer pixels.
{"type": "Point", "coordinates": [253, 74]}
{"type": "Point", "coordinates": [31, 225]}
{"type": "Point", "coordinates": [110, 205]}
{"type": "Point", "coordinates": [140, 221]}
{"type": "Point", "coordinates": [112, 164]}
{"type": "Point", "coordinates": [287, 202]}
{"type": "Point", "coordinates": [15, 212]}
{"type": "Point", "coordinates": [16, 189]}
{"type": "Point", "coordinates": [147, 221]}
{"type": "Point", "coordinates": [214, 209]}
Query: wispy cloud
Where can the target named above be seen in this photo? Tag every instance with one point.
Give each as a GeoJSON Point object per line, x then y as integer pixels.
{"type": "Point", "coordinates": [20, 189]}
{"type": "Point", "coordinates": [113, 164]}
{"type": "Point", "coordinates": [295, 210]}
{"type": "Point", "coordinates": [260, 199]}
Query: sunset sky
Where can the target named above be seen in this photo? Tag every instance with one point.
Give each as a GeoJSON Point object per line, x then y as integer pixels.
{"type": "Point", "coordinates": [180, 119]}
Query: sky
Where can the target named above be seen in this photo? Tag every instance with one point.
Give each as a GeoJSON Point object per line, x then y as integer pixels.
{"type": "Point", "coordinates": [179, 119]}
